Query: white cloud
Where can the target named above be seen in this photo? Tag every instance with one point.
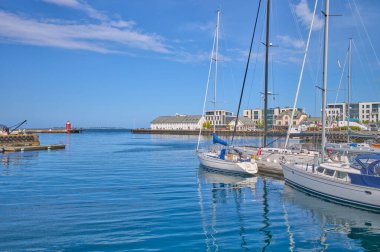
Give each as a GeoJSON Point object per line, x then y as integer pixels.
{"type": "Point", "coordinates": [199, 27]}
{"type": "Point", "coordinates": [291, 42]}
{"type": "Point", "coordinates": [305, 16]}
{"type": "Point", "coordinates": [79, 5]}
{"type": "Point", "coordinates": [102, 38]}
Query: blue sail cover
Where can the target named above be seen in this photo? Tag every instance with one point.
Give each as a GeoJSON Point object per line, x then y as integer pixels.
{"type": "Point", "coordinates": [364, 180]}
{"type": "Point", "coordinates": [216, 139]}
{"type": "Point", "coordinates": [368, 177]}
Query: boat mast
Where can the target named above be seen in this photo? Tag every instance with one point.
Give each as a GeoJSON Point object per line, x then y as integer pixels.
{"type": "Point", "coordinates": [300, 76]}
{"type": "Point", "coordinates": [348, 90]}
{"type": "Point", "coordinates": [266, 77]}
{"type": "Point", "coordinates": [216, 66]}
{"type": "Point", "coordinates": [324, 89]}
{"type": "Point", "coordinates": [207, 85]}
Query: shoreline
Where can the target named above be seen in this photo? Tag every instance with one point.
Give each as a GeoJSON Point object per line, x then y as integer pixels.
{"type": "Point", "coordinates": [307, 135]}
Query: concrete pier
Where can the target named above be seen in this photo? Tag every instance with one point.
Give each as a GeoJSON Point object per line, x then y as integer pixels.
{"type": "Point", "coordinates": [54, 131]}
{"type": "Point", "coordinates": [33, 148]}
{"type": "Point", "coordinates": [24, 142]}
{"type": "Point", "coordinates": [334, 136]}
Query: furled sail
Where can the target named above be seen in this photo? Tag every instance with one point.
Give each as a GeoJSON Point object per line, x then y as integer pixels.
{"type": "Point", "coordinates": [216, 139]}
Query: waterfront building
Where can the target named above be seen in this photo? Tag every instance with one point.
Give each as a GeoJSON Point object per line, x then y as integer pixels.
{"type": "Point", "coordinates": [243, 123]}
{"type": "Point", "coordinates": [360, 111]}
{"type": "Point", "coordinates": [178, 122]}
{"type": "Point", "coordinates": [254, 114]}
{"type": "Point", "coordinates": [284, 117]}
{"type": "Point", "coordinates": [312, 122]}
{"type": "Point", "coordinates": [220, 118]}
{"type": "Point", "coordinates": [257, 114]}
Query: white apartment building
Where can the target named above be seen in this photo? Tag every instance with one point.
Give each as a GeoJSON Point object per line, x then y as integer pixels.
{"type": "Point", "coordinates": [257, 115]}
{"type": "Point", "coordinates": [254, 114]}
{"type": "Point", "coordinates": [178, 122]}
{"type": "Point", "coordinates": [220, 118]}
{"type": "Point", "coordinates": [362, 111]}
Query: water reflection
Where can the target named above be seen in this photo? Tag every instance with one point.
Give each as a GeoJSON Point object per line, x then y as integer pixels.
{"type": "Point", "coordinates": [224, 187]}
{"type": "Point", "coordinates": [224, 180]}
{"type": "Point", "coordinates": [266, 222]}
{"type": "Point", "coordinates": [14, 159]}
{"type": "Point", "coordinates": [359, 225]}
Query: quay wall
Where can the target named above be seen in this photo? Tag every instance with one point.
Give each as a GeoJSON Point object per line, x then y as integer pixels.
{"type": "Point", "coordinates": [19, 140]}
{"type": "Point", "coordinates": [307, 135]}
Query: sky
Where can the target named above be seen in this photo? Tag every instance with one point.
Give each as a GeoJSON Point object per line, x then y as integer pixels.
{"type": "Point", "coordinates": [119, 63]}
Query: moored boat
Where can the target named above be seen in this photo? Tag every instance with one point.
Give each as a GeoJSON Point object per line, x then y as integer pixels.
{"type": "Point", "coordinates": [231, 162]}
{"type": "Point", "coordinates": [226, 159]}
{"type": "Point", "coordinates": [356, 184]}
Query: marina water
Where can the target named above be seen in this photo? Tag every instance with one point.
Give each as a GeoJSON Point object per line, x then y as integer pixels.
{"type": "Point", "coordinates": [110, 190]}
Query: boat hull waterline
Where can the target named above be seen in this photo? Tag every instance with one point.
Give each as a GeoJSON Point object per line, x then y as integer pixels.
{"type": "Point", "coordinates": [332, 189]}
{"type": "Point", "coordinates": [215, 163]}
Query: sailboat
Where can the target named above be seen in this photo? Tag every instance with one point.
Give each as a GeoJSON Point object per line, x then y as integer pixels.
{"type": "Point", "coordinates": [268, 159]}
{"type": "Point", "coordinates": [221, 156]}
{"type": "Point", "coordinates": [350, 148]}
{"type": "Point", "coordinates": [356, 184]}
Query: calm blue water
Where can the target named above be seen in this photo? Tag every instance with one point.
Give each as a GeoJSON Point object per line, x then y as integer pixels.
{"type": "Point", "coordinates": [114, 191]}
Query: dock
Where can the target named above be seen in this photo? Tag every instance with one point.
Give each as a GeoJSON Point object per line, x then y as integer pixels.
{"type": "Point", "coordinates": [33, 148]}
{"type": "Point", "coordinates": [24, 142]}
{"type": "Point", "coordinates": [19, 140]}
{"type": "Point", "coordinates": [334, 136]}
{"type": "Point", "coordinates": [55, 131]}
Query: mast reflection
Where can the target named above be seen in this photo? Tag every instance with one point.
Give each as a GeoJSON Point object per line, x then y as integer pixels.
{"type": "Point", "coordinates": [359, 225]}
{"type": "Point", "coordinates": [223, 188]}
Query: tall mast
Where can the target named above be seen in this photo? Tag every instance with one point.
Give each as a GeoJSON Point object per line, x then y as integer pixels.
{"type": "Point", "coordinates": [325, 50]}
{"type": "Point", "coordinates": [300, 77]}
{"type": "Point", "coordinates": [266, 77]}
{"type": "Point", "coordinates": [216, 65]}
{"type": "Point", "coordinates": [348, 90]}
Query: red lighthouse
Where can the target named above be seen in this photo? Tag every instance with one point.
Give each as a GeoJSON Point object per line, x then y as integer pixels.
{"type": "Point", "coordinates": [68, 125]}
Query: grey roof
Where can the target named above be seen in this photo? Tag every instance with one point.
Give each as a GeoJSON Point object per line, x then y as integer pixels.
{"type": "Point", "coordinates": [313, 119]}
{"type": "Point", "coordinates": [244, 120]}
{"type": "Point", "coordinates": [177, 119]}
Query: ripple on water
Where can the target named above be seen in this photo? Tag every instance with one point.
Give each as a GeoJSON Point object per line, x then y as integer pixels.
{"type": "Point", "coordinates": [118, 191]}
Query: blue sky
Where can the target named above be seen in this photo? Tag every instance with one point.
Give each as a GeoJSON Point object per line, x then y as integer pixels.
{"type": "Point", "coordinates": [122, 63]}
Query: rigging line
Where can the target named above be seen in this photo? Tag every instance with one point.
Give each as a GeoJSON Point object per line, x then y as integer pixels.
{"type": "Point", "coordinates": [319, 58]}
{"type": "Point", "coordinates": [299, 33]}
{"type": "Point", "coordinates": [224, 59]}
{"type": "Point", "coordinates": [369, 69]}
{"type": "Point", "coordinates": [366, 32]}
{"type": "Point", "coordinates": [363, 67]}
{"type": "Point", "coordinates": [300, 76]}
{"type": "Point", "coordinates": [254, 67]}
{"type": "Point", "coordinates": [338, 90]}
{"type": "Point", "coordinates": [273, 141]}
{"type": "Point", "coordinates": [246, 71]}
{"type": "Point", "coordinates": [207, 84]}
{"type": "Point", "coordinates": [341, 78]}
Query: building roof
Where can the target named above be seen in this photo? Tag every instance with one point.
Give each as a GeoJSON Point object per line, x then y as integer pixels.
{"type": "Point", "coordinates": [177, 119]}
{"type": "Point", "coordinates": [297, 114]}
{"type": "Point", "coordinates": [313, 119]}
{"type": "Point", "coordinates": [244, 120]}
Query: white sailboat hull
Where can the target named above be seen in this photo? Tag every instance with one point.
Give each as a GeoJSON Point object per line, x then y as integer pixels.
{"type": "Point", "coordinates": [270, 162]}
{"type": "Point", "coordinates": [215, 163]}
{"type": "Point", "coordinates": [332, 189]}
